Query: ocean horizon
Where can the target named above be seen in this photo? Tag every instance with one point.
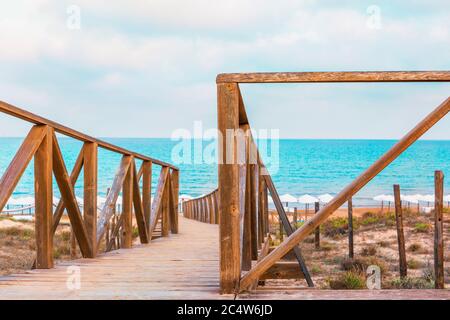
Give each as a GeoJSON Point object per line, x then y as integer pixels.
{"type": "Point", "coordinates": [304, 166]}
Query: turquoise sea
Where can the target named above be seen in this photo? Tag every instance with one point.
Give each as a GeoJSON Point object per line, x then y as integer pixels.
{"type": "Point", "coordinates": [305, 166]}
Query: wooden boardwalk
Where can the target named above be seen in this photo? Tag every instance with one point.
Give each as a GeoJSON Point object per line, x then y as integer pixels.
{"type": "Point", "coordinates": [181, 266]}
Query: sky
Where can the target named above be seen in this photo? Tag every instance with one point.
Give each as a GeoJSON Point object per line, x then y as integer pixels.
{"type": "Point", "coordinates": [147, 68]}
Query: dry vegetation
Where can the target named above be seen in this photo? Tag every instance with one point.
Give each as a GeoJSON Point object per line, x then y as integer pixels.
{"type": "Point", "coordinates": [17, 245]}
{"type": "Point", "coordinates": [375, 243]}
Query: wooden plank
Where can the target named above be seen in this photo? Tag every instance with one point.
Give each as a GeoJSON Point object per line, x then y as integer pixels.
{"type": "Point", "coordinates": [157, 201]}
{"type": "Point", "coordinates": [20, 162]}
{"type": "Point", "coordinates": [30, 117]}
{"type": "Point", "coordinates": [44, 201]}
{"type": "Point", "coordinates": [400, 234]}
{"type": "Point", "coordinates": [288, 228]}
{"type": "Point", "coordinates": [73, 180]}
{"type": "Point", "coordinates": [175, 184]}
{"type": "Point", "coordinates": [307, 77]}
{"type": "Point", "coordinates": [253, 199]}
{"type": "Point", "coordinates": [110, 204]}
{"type": "Point", "coordinates": [68, 197]}
{"type": "Point", "coordinates": [90, 153]}
{"type": "Point", "coordinates": [283, 270]}
{"type": "Point", "coordinates": [317, 230]}
{"type": "Point", "coordinates": [127, 207]}
{"type": "Point", "coordinates": [439, 230]}
{"type": "Point", "coordinates": [350, 228]}
{"type": "Point", "coordinates": [139, 209]}
{"type": "Point", "coordinates": [347, 192]}
{"type": "Point", "coordinates": [264, 252]}
{"type": "Point", "coordinates": [147, 191]}
{"type": "Point", "coordinates": [165, 215]}
{"type": "Point", "coordinates": [228, 181]}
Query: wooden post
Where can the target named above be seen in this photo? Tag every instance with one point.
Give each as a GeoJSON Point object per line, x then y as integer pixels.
{"type": "Point", "coordinates": [175, 187]}
{"type": "Point", "coordinates": [127, 208]}
{"type": "Point", "coordinates": [165, 216]}
{"type": "Point", "coordinates": [73, 244]}
{"type": "Point", "coordinates": [147, 192]}
{"type": "Point", "coordinates": [438, 230]}
{"type": "Point", "coordinates": [317, 231]}
{"type": "Point", "coordinates": [228, 121]}
{"type": "Point", "coordinates": [400, 234]}
{"type": "Point", "coordinates": [254, 182]}
{"type": "Point", "coordinates": [295, 218]}
{"type": "Point", "coordinates": [43, 190]}
{"type": "Point", "coordinates": [90, 193]}
{"type": "Point", "coordinates": [350, 228]}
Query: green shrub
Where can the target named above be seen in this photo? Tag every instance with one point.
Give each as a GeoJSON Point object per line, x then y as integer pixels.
{"type": "Point", "coordinates": [413, 264]}
{"type": "Point", "coordinates": [369, 251]}
{"type": "Point", "coordinates": [422, 227]}
{"type": "Point", "coordinates": [412, 283]}
{"type": "Point", "coordinates": [356, 265]}
{"type": "Point", "coordinates": [335, 226]}
{"type": "Point", "coordinates": [350, 280]}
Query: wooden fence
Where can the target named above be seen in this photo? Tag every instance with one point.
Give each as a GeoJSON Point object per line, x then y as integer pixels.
{"type": "Point", "coordinates": [90, 227]}
{"type": "Point", "coordinates": [243, 182]}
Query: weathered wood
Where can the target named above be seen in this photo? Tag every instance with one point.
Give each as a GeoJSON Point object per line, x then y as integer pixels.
{"type": "Point", "coordinates": [147, 191]}
{"type": "Point", "coordinates": [70, 203]}
{"type": "Point", "coordinates": [110, 204]}
{"type": "Point", "coordinates": [264, 251]}
{"type": "Point", "coordinates": [229, 209]}
{"type": "Point", "coordinates": [157, 201]}
{"type": "Point", "coordinates": [175, 184]}
{"type": "Point", "coordinates": [90, 153]}
{"type": "Point", "coordinates": [73, 180]}
{"type": "Point", "coordinates": [346, 193]}
{"type": "Point", "coordinates": [127, 207]}
{"type": "Point", "coordinates": [20, 162]}
{"type": "Point", "coordinates": [400, 233]}
{"type": "Point", "coordinates": [165, 209]}
{"type": "Point", "coordinates": [438, 230]}
{"type": "Point", "coordinates": [299, 77]}
{"type": "Point", "coordinates": [317, 231]}
{"type": "Point", "coordinates": [30, 117]}
{"type": "Point", "coordinates": [43, 191]}
{"type": "Point", "coordinates": [246, 220]}
{"type": "Point", "coordinates": [283, 270]}
{"type": "Point", "coordinates": [253, 199]}
{"type": "Point", "coordinates": [350, 228]}
{"type": "Point", "coordinates": [139, 209]}
{"type": "Point", "coordinates": [287, 227]}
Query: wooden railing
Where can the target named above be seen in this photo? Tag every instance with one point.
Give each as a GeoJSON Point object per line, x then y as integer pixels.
{"type": "Point", "coordinates": [91, 228]}
{"type": "Point", "coordinates": [203, 209]}
{"type": "Point", "coordinates": [243, 184]}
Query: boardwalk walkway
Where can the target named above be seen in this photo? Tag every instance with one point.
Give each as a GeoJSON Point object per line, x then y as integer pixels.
{"type": "Point", "coordinates": [182, 266]}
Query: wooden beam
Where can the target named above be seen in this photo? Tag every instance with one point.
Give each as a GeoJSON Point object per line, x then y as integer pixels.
{"type": "Point", "coordinates": [111, 199]}
{"type": "Point", "coordinates": [30, 117]}
{"type": "Point", "coordinates": [127, 207]}
{"type": "Point", "coordinates": [317, 231]}
{"type": "Point", "coordinates": [350, 228]}
{"type": "Point", "coordinates": [301, 233]}
{"type": "Point", "coordinates": [73, 180]}
{"type": "Point", "coordinates": [439, 230]}
{"type": "Point", "coordinates": [253, 194]}
{"type": "Point", "coordinates": [68, 197]}
{"type": "Point", "coordinates": [20, 162]}
{"type": "Point", "coordinates": [139, 209]}
{"type": "Point", "coordinates": [287, 227]}
{"type": "Point", "coordinates": [264, 252]}
{"type": "Point", "coordinates": [44, 201]}
{"type": "Point", "coordinates": [175, 188]}
{"type": "Point", "coordinates": [157, 201]}
{"type": "Point", "coordinates": [229, 206]}
{"type": "Point", "coordinates": [90, 152]}
{"type": "Point", "coordinates": [147, 191]}
{"type": "Point", "coordinates": [306, 77]}
{"type": "Point", "coordinates": [400, 234]}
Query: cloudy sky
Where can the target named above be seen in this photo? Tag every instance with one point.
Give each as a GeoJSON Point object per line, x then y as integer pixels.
{"type": "Point", "coordinates": [145, 68]}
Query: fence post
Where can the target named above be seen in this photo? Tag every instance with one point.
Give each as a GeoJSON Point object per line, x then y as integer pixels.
{"type": "Point", "coordinates": [43, 190]}
{"type": "Point", "coordinates": [400, 234]}
{"type": "Point", "coordinates": [175, 183]}
{"type": "Point", "coordinates": [147, 192]}
{"type": "Point", "coordinates": [127, 208]}
{"type": "Point", "coordinates": [438, 230]}
{"type": "Point", "coordinates": [90, 193]}
{"type": "Point", "coordinates": [350, 228]}
{"type": "Point", "coordinates": [228, 122]}
{"type": "Point", "coordinates": [317, 231]}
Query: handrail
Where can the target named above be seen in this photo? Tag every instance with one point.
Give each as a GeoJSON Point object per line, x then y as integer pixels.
{"type": "Point", "coordinates": [236, 193]}
{"type": "Point", "coordinates": [308, 77]}
{"type": "Point", "coordinates": [89, 227]}
{"type": "Point", "coordinates": [203, 209]}
{"type": "Point", "coordinates": [33, 118]}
